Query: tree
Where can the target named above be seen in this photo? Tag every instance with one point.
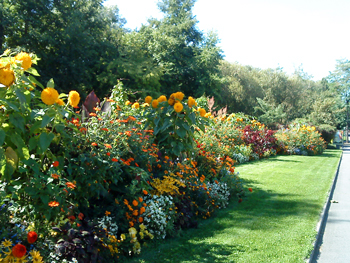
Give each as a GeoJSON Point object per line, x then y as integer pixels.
{"type": "Point", "coordinates": [188, 59]}
{"type": "Point", "coordinates": [340, 80]}
{"type": "Point", "coordinates": [74, 39]}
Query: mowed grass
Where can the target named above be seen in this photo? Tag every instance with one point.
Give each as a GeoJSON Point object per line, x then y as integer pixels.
{"type": "Point", "coordinates": [275, 223]}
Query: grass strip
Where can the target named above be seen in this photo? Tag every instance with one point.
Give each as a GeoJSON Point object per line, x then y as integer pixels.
{"type": "Point", "coordinates": [275, 223]}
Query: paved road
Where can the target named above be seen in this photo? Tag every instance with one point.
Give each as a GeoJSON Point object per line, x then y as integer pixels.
{"type": "Point", "coordinates": [335, 243]}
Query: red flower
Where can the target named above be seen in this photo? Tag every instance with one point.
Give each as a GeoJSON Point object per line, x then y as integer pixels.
{"type": "Point", "coordinates": [54, 203]}
{"type": "Point", "coordinates": [108, 146]}
{"type": "Point", "coordinates": [94, 144]}
{"type": "Point", "coordinates": [32, 236]}
{"type": "Point", "coordinates": [114, 160]}
{"type": "Point", "coordinates": [55, 163]}
{"type": "Point", "coordinates": [240, 200]}
{"type": "Point", "coordinates": [19, 251]}
{"type": "Point", "coordinates": [81, 216]}
{"type": "Point", "coordinates": [250, 189]}
{"type": "Point", "coordinates": [108, 154]}
{"type": "Point", "coordinates": [70, 185]}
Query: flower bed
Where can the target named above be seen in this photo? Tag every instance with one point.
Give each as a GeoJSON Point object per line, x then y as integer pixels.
{"type": "Point", "coordinates": [97, 182]}
{"type": "Point", "coordinates": [300, 140]}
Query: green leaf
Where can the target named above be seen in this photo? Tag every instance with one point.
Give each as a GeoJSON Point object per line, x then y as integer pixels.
{"type": "Point", "coordinates": [2, 162]}
{"type": "Point", "coordinates": [21, 96]}
{"type": "Point", "coordinates": [186, 126]}
{"type": "Point", "coordinates": [33, 80]}
{"type": "Point", "coordinates": [45, 140]}
{"type": "Point", "coordinates": [11, 105]}
{"type": "Point", "coordinates": [33, 71]}
{"type": "Point", "coordinates": [167, 123]}
{"type": "Point", "coordinates": [46, 120]}
{"type": "Point", "coordinates": [2, 136]}
{"type": "Point", "coordinates": [50, 84]}
{"type": "Point", "coordinates": [181, 132]}
{"type": "Point", "coordinates": [23, 151]}
{"type": "Point", "coordinates": [44, 198]}
{"type": "Point", "coordinates": [156, 120]}
{"type": "Point", "coordinates": [18, 121]}
{"type": "Point", "coordinates": [192, 117]}
{"type": "Point", "coordinates": [35, 127]}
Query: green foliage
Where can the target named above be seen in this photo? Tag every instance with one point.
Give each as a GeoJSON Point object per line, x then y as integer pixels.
{"type": "Point", "coordinates": [174, 129]}
{"type": "Point", "coordinates": [300, 139]}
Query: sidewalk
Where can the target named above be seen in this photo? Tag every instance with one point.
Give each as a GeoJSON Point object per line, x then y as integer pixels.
{"type": "Point", "coordinates": [334, 238]}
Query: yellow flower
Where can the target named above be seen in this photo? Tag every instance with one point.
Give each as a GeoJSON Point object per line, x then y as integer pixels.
{"type": "Point", "coordinates": [155, 103]}
{"type": "Point", "coordinates": [191, 102]}
{"type": "Point", "coordinates": [145, 104]}
{"type": "Point", "coordinates": [4, 64]}
{"type": "Point", "coordinates": [49, 96]}
{"type": "Point", "coordinates": [132, 231]}
{"type": "Point", "coordinates": [202, 112]}
{"type": "Point", "coordinates": [179, 95]}
{"type": "Point", "coordinates": [178, 107]}
{"type": "Point", "coordinates": [6, 243]}
{"type": "Point", "coordinates": [162, 98]}
{"type": "Point", "coordinates": [60, 102]}
{"type": "Point", "coordinates": [127, 103]}
{"type": "Point", "coordinates": [136, 105]}
{"type": "Point", "coordinates": [26, 60]}
{"type": "Point", "coordinates": [73, 98]}
{"type": "Point", "coordinates": [207, 115]}
{"type": "Point", "coordinates": [36, 256]}
{"type": "Point", "coordinates": [171, 100]}
{"type": "Point", "coordinates": [7, 77]}
{"type": "Point", "coordinates": [122, 237]}
{"type": "Point", "coordinates": [148, 99]}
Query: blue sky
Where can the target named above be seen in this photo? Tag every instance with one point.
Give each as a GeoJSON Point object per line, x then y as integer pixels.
{"type": "Point", "coordinates": [311, 34]}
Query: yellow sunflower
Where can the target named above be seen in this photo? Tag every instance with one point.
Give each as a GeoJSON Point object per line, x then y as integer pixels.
{"type": "Point", "coordinates": [7, 77]}
{"type": "Point", "coordinates": [26, 60]}
{"type": "Point", "coordinates": [49, 96]}
{"type": "Point", "coordinates": [73, 98]}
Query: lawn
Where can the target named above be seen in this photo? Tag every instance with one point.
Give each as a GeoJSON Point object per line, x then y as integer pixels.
{"type": "Point", "coordinates": [275, 223]}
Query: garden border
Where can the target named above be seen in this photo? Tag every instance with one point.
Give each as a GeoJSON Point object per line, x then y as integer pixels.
{"type": "Point", "coordinates": [321, 225]}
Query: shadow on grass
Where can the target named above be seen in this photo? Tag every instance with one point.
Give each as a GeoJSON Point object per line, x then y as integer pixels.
{"type": "Point", "coordinates": [209, 243]}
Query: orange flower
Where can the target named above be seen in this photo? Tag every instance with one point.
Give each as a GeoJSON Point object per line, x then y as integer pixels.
{"type": "Point", "coordinates": [32, 236]}
{"type": "Point", "coordinates": [54, 203]}
{"type": "Point", "coordinates": [140, 219]}
{"type": "Point", "coordinates": [94, 144]}
{"type": "Point", "coordinates": [55, 163]}
{"type": "Point", "coordinates": [135, 213]}
{"type": "Point", "coordinates": [131, 224]}
{"type": "Point", "coordinates": [140, 199]}
{"type": "Point", "coordinates": [55, 176]}
{"type": "Point", "coordinates": [93, 114]}
{"type": "Point", "coordinates": [145, 192]}
{"type": "Point", "coordinates": [126, 202]}
{"type": "Point", "coordinates": [104, 129]}
{"type": "Point", "coordinates": [142, 210]}
{"type": "Point", "coordinates": [81, 216]}
{"type": "Point", "coordinates": [250, 189]}
{"type": "Point", "coordinates": [70, 185]}
{"type": "Point", "coordinates": [71, 218]}
{"type": "Point", "coordinates": [107, 213]}
{"type": "Point", "coordinates": [19, 251]}
{"type": "Point", "coordinates": [135, 203]}
{"type": "Point", "coordinates": [114, 160]}
{"type": "Point", "coordinates": [108, 146]}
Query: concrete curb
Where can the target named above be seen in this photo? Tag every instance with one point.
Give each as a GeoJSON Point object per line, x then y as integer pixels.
{"type": "Point", "coordinates": [323, 219]}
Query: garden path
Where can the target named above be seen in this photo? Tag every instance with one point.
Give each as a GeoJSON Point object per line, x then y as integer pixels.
{"type": "Point", "coordinates": [334, 239]}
